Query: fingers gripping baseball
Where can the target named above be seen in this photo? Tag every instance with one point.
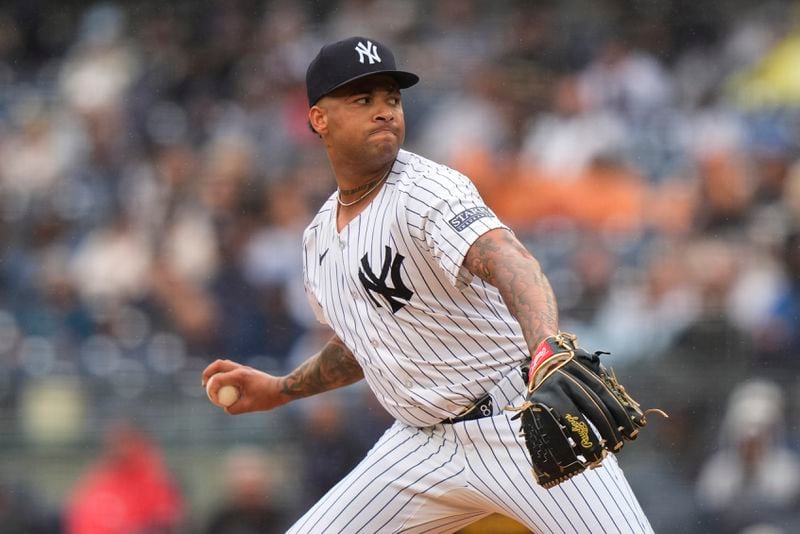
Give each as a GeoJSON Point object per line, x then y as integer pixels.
{"type": "Point", "coordinates": [241, 389]}
{"type": "Point", "coordinates": [223, 396]}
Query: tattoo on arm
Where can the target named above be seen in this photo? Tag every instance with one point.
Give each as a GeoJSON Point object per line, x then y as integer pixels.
{"type": "Point", "coordinates": [499, 259]}
{"type": "Point", "coordinates": [332, 367]}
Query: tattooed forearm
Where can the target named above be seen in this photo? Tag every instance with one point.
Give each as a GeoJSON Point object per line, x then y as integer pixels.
{"type": "Point", "coordinates": [333, 367]}
{"type": "Point", "coordinates": [499, 259]}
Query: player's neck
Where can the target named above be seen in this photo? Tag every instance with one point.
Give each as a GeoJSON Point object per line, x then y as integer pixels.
{"type": "Point", "coordinates": [354, 168]}
{"type": "Point", "coordinates": [356, 190]}
{"type": "Point", "coordinates": [353, 180]}
{"type": "Point", "coordinates": [358, 184]}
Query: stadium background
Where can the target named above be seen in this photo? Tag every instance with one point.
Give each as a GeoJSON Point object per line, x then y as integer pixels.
{"type": "Point", "coordinates": [156, 173]}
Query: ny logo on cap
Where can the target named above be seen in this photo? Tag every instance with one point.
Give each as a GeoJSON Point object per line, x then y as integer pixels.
{"type": "Point", "coordinates": [370, 51]}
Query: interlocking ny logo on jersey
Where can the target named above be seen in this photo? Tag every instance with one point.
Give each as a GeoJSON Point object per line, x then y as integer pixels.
{"type": "Point", "coordinates": [377, 284]}
{"type": "Point", "coordinates": [368, 51]}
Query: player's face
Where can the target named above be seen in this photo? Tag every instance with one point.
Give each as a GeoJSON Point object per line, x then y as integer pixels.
{"type": "Point", "coordinates": [364, 118]}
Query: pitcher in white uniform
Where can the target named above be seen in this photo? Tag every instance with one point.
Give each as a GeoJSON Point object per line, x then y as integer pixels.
{"type": "Point", "coordinates": [437, 305]}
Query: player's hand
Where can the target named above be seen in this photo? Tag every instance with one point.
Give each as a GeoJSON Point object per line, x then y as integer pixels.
{"type": "Point", "coordinates": [258, 391]}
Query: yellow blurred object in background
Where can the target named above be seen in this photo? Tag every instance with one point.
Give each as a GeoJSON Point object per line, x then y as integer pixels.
{"type": "Point", "coordinates": [495, 524]}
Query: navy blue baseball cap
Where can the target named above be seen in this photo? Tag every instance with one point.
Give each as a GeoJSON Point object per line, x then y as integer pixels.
{"type": "Point", "coordinates": [350, 59]}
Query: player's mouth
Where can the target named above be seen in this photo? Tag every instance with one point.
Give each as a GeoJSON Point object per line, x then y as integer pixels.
{"type": "Point", "coordinates": [383, 130]}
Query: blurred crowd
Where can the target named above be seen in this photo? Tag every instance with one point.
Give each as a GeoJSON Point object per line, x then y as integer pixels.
{"type": "Point", "coordinates": [156, 174]}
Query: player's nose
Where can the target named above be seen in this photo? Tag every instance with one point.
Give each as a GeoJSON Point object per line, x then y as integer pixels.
{"type": "Point", "coordinates": [384, 112]}
{"type": "Point", "coordinates": [384, 115]}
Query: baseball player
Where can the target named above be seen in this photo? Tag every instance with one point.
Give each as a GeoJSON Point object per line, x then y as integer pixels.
{"type": "Point", "coordinates": [437, 305]}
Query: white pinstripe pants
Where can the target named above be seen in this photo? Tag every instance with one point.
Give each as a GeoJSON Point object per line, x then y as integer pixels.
{"type": "Point", "coordinates": [444, 477]}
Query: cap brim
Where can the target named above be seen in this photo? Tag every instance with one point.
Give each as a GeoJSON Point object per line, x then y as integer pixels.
{"type": "Point", "coordinates": [404, 80]}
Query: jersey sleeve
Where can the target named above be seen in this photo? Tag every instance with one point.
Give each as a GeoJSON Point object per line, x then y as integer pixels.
{"type": "Point", "coordinates": [316, 307]}
{"type": "Point", "coordinates": [448, 216]}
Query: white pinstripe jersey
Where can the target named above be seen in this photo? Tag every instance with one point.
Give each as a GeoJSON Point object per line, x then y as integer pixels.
{"type": "Point", "coordinates": [430, 337]}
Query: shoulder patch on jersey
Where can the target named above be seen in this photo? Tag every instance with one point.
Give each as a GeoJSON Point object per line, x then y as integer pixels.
{"type": "Point", "coordinates": [469, 216]}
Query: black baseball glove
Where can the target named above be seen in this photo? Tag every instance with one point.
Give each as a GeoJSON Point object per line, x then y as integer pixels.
{"type": "Point", "coordinates": [575, 411]}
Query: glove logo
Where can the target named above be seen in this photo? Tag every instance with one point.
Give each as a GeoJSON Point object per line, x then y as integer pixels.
{"type": "Point", "coordinates": [541, 355]}
{"type": "Point", "coordinates": [581, 429]}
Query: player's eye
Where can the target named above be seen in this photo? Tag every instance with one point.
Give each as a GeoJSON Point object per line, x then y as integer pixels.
{"type": "Point", "coordinates": [362, 100]}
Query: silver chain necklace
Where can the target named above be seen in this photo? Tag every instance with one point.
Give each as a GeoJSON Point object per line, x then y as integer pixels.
{"type": "Point", "coordinates": [367, 192]}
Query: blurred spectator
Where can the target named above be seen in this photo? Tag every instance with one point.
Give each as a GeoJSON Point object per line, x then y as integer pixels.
{"type": "Point", "coordinates": [451, 133]}
{"type": "Point", "coordinates": [791, 195]}
{"type": "Point", "coordinates": [710, 345]}
{"type": "Point", "coordinates": [129, 489]}
{"type": "Point", "coordinates": [754, 477]}
{"type": "Point", "coordinates": [249, 506]}
{"type": "Point", "coordinates": [329, 448]}
{"type": "Point", "coordinates": [779, 339]}
{"type": "Point", "coordinates": [112, 265]}
{"type": "Point", "coordinates": [21, 513]}
{"type": "Point", "coordinates": [627, 80]}
{"type": "Point", "coordinates": [648, 310]}
{"type": "Point", "coordinates": [565, 141]}
{"type": "Point", "coordinates": [101, 65]}
{"type": "Point", "coordinates": [726, 189]}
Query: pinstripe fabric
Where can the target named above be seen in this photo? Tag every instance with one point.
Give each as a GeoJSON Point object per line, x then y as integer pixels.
{"type": "Point", "coordinates": [454, 339]}
{"type": "Point", "coordinates": [432, 339]}
{"type": "Point", "coordinates": [443, 477]}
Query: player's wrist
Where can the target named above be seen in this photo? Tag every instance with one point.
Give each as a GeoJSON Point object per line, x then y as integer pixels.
{"type": "Point", "coordinates": [285, 390]}
{"type": "Point", "coordinates": [550, 354]}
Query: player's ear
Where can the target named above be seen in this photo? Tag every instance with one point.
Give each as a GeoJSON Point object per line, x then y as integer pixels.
{"type": "Point", "coordinates": [318, 120]}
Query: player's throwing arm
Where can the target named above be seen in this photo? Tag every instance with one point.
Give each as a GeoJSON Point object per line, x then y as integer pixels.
{"type": "Point", "coordinates": [241, 389]}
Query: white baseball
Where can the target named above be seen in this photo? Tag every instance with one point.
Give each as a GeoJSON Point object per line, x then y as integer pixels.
{"type": "Point", "coordinates": [226, 395]}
